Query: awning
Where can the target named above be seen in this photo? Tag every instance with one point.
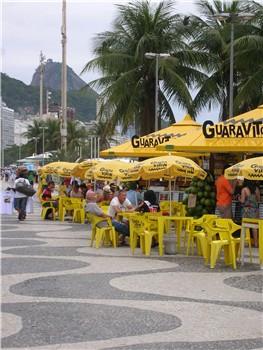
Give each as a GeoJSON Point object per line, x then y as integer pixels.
{"type": "Point", "coordinates": [146, 146]}
{"type": "Point", "coordinates": [243, 133]}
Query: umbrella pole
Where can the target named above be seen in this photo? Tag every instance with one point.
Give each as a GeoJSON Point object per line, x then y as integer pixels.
{"type": "Point", "coordinates": [170, 196]}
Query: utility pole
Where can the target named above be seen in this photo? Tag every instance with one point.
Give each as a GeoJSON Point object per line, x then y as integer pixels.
{"type": "Point", "coordinates": [157, 57]}
{"type": "Point", "coordinates": [63, 127]}
{"type": "Point", "coordinates": [35, 139]}
{"type": "Point", "coordinates": [43, 143]}
{"type": "Point", "coordinates": [42, 60]}
{"type": "Point", "coordinates": [48, 97]}
{"type": "Point", "coordinates": [233, 18]}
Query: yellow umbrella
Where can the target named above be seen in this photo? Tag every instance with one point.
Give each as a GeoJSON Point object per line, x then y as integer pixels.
{"type": "Point", "coordinates": [243, 133]}
{"type": "Point", "coordinates": [111, 170]}
{"type": "Point", "coordinates": [145, 146]}
{"type": "Point", "coordinates": [58, 168]}
{"type": "Point", "coordinates": [168, 167]}
{"type": "Point", "coordinates": [80, 168]}
{"type": "Point", "coordinates": [50, 168]}
{"type": "Point", "coordinates": [66, 169]}
{"type": "Point", "coordinates": [251, 169]}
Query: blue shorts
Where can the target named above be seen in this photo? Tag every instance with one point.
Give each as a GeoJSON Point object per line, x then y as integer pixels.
{"type": "Point", "coordinates": [20, 204]}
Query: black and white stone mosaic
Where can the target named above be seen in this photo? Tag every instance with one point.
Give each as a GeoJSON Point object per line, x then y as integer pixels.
{"type": "Point", "coordinates": [250, 282]}
{"type": "Point", "coordinates": [38, 265]}
{"type": "Point", "coordinates": [20, 242]}
{"type": "Point", "coordinates": [247, 344]}
{"type": "Point", "coordinates": [48, 323]}
{"type": "Point", "coordinates": [101, 308]}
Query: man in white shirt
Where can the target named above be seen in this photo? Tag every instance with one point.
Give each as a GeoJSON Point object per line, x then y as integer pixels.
{"type": "Point", "coordinates": [118, 204]}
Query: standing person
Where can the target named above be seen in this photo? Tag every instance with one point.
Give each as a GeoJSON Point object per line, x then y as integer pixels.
{"type": "Point", "coordinates": [250, 198]}
{"type": "Point", "coordinates": [31, 178]}
{"type": "Point", "coordinates": [20, 200]}
{"type": "Point", "coordinates": [133, 195]}
{"type": "Point", "coordinates": [224, 192]}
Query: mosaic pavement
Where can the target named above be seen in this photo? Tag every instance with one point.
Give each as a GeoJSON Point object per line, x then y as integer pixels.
{"type": "Point", "coordinates": [59, 293]}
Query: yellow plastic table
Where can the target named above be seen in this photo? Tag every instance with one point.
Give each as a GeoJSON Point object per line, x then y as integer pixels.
{"type": "Point", "coordinates": [125, 214]}
{"type": "Point", "coordinates": [256, 224]}
{"type": "Point", "coordinates": [161, 224]}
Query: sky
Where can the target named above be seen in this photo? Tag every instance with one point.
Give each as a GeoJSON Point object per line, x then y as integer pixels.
{"type": "Point", "coordinates": [31, 26]}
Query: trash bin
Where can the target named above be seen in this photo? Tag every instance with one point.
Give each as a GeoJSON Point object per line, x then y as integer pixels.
{"type": "Point", "coordinates": [169, 241]}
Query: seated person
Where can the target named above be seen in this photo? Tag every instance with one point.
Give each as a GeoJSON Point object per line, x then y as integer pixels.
{"type": "Point", "coordinates": [93, 208]}
{"type": "Point", "coordinates": [83, 189]}
{"type": "Point", "coordinates": [118, 204]}
{"type": "Point", "coordinates": [47, 197]}
{"type": "Point", "coordinates": [107, 194]}
{"type": "Point", "coordinates": [150, 201]}
{"type": "Point", "coordinates": [76, 191]}
{"type": "Point", "coordinates": [62, 190]}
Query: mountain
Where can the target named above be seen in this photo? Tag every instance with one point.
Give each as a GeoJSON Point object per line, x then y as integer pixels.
{"type": "Point", "coordinates": [52, 77]}
{"type": "Point", "coordinates": [24, 99]}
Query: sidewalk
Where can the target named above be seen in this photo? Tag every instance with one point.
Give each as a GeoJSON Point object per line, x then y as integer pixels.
{"type": "Point", "coordinates": [59, 293]}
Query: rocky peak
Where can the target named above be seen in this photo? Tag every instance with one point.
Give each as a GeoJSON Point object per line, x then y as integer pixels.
{"type": "Point", "coordinates": [52, 77]}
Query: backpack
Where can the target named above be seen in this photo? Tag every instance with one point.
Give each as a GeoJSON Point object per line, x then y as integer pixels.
{"type": "Point", "coordinates": [23, 187]}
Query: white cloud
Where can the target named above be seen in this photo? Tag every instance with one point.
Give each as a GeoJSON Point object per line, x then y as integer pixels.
{"type": "Point", "coordinates": [31, 26]}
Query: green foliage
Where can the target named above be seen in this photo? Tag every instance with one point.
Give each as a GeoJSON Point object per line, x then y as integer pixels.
{"type": "Point", "coordinates": [77, 136]}
{"type": "Point", "coordinates": [25, 98]}
{"type": "Point", "coordinates": [211, 35]}
{"type": "Point", "coordinates": [128, 82]}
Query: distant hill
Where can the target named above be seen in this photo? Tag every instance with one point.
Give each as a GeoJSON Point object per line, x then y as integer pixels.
{"type": "Point", "coordinates": [52, 77]}
{"type": "Point", "coordinates": [25, 98]}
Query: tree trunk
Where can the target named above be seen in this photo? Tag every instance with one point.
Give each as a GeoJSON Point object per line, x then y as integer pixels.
{"type": "Point", "coordinates": [147, 120]}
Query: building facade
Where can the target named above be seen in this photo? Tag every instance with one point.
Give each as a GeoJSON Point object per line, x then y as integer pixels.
{"type": "Point", "coordinates": [7, 126]}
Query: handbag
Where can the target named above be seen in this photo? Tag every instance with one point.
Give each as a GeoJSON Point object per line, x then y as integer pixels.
{"type": "Point", "coordinates": [24, 188]}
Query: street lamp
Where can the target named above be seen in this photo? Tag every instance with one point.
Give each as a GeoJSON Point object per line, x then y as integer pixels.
{"type": "Point", "coordinates": [157, 57]}
{"type": "Point", "coordinates": [35, 139]}
{"type": "Point", "coordinates": [43, 142]}
{"type": "Point", "coordinates": [233, 18]}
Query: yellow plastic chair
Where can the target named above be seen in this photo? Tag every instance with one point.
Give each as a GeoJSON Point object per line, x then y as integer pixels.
{"type": "Point", "coordinates": [72, 204]}
{"type": "Point", "coordinates": [233, 227]}
{"type": "Point", "coordinates": [194, 234]}
{"type": "Point", "coordinates": [79, 212]}
{"type": "Point", "coordinates": [105, 208]}
{"type": "Point", "coordinates": [102, 235]}
{"type": "Point", "coordinates": [226, 241]}
{"type": "Point", "coordinates": [218, 235]}
{"type": "Point", "coordinates": [47, 205]}
{"type": "Point", "coordinates": [143, 227]}
{"type": "Point", "coordinates": [164, 206]}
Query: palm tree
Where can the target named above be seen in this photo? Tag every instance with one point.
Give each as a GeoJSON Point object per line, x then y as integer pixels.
{"type": "Point", "coordinates": [128, 81]}
{"type": "Point", "coordinates": [250, 49]}
{"type": "Point", "coordinates": [52, 135]}
{"type": "Point", "coordinates": [212, 36]}
{"type": "Point", "coordinates": [104, 130]}
{"type": "Point", "coordinates": [76, 134]}
{"type": "Point", "coordinates": [34, 130]}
